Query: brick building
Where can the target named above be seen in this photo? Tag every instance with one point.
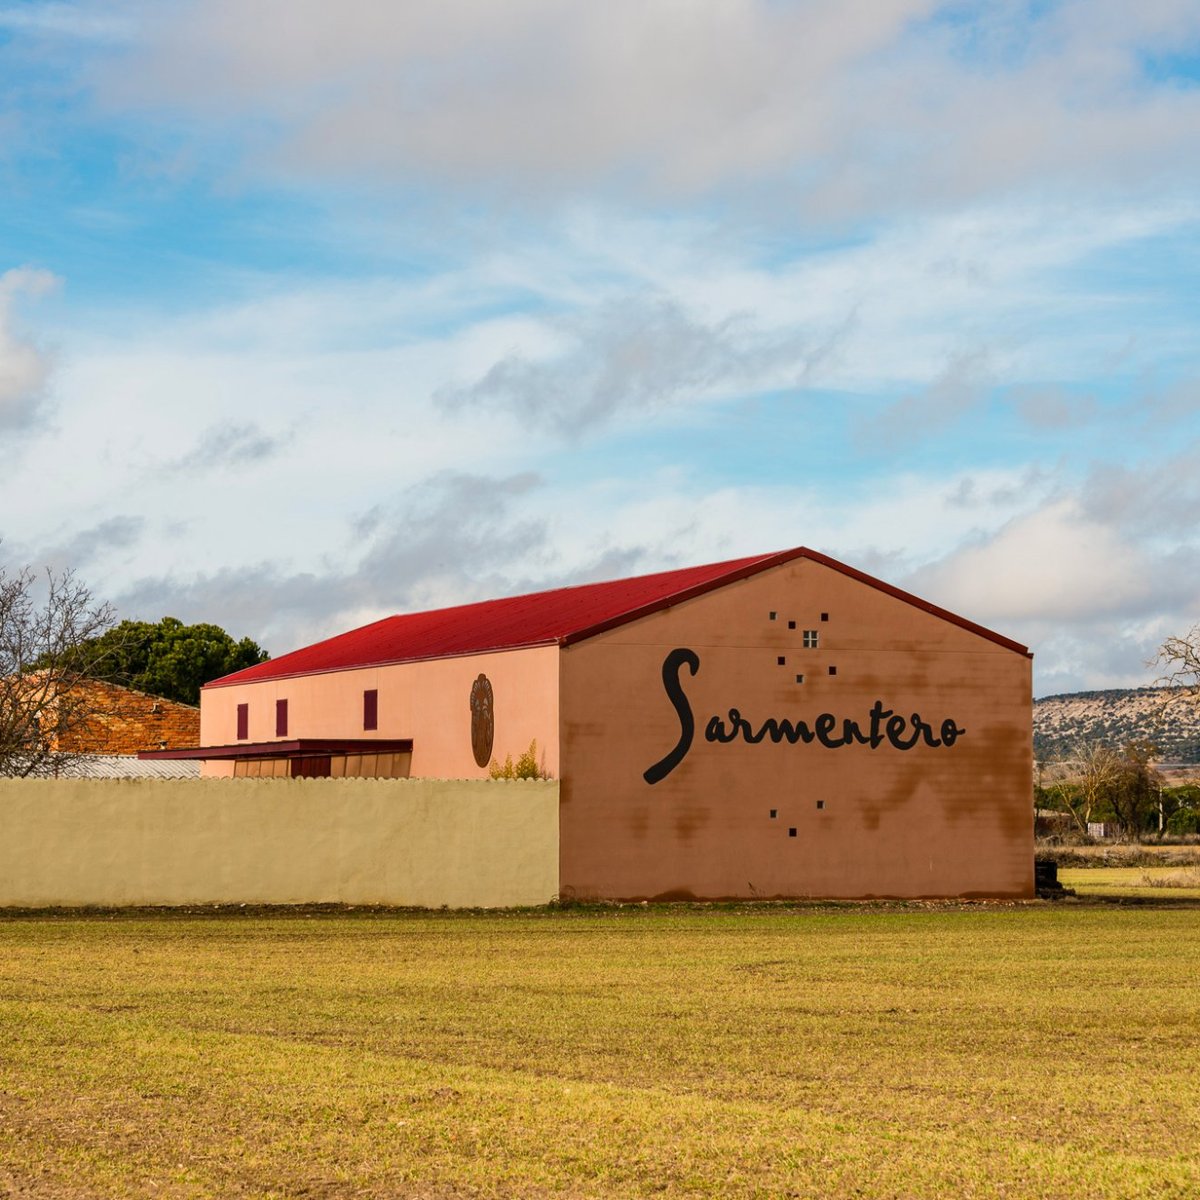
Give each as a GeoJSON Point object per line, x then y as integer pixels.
{"type": "Point", "coordinates": [125, 722]}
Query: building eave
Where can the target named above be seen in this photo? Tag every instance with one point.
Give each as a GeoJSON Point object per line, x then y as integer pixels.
{"type": "Point", "coordinates": [291, 748]}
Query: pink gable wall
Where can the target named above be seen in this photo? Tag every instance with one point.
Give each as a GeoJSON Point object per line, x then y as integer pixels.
{"type": "Point", "coordinates": [926, 821]}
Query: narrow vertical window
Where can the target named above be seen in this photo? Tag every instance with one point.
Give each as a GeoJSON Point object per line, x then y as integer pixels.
{"type": "Point", "coordinates": [243, 722]}
{"type": "Point", "coordinates": [281, 718]}
{"type": "Point", "coordinates": [371, 709]}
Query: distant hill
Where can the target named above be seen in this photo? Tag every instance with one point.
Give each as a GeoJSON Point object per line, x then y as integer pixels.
{"type": "Point", "coordinates": [1164, 716]}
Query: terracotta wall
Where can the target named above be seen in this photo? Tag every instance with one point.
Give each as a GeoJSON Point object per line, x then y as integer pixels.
{"type": "Point", "coordinates": [126, 721]}
{"type": "Point", "coordinates": [264, 841]}
{"type": "Point", "coordinates": [928, 821]}
{"type": "Point", "coordinates": [426, 701]}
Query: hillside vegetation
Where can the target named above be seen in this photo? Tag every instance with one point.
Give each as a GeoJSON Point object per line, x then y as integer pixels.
{"type": "Point", "coordinates": [1165, 716]}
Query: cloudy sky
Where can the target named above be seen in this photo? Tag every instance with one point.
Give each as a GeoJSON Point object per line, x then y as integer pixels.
{"type": "Point", "coordinates": [315, 312]}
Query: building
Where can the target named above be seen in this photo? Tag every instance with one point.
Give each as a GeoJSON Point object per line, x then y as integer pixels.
{"type": "Point", "coordinates": [81, 728]}
{"type": "Point", "coordinates": [122, 722]}
{"type": "Point", "coordinates": [776, 726]}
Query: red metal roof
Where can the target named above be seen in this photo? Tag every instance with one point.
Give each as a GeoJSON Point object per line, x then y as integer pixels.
{"type": "Point", "coordinates": [558, 617]}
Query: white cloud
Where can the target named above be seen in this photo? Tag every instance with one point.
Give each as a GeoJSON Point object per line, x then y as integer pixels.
{"type": "Point", "coordinates": [24, 367]}
{"type": "Point", "coordinates": [1054, 562]}
{"type": "Point", "coordinates": [637, 355]}
{"type": "Point", "coordinates": [847, 108]}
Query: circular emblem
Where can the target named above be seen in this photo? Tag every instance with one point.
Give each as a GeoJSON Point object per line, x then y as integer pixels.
{"type": "Point", "coordinates": [483, 725]}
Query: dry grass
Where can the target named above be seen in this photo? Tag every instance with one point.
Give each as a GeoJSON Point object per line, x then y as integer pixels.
{"type": "Point", "coordinates": [1186, 877]}
{"type": "Point", "coordinates": [1123, 854]}
{"type": "Point", "coordinates": [992, 1052]}
{"type": "Point", "coordinates": [1130, 883]}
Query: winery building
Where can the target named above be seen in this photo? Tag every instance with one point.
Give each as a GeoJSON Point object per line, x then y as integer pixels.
{"type": "Point", "coordinates": [775, 726]}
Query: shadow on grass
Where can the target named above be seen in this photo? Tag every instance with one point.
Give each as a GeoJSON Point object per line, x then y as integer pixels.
{"type": "Point", "coordinates": [575, 909]}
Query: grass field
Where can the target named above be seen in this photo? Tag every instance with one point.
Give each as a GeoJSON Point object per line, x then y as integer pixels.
{"type": "Point", "coordinates": [1007, 1051]}
{"type": "Point", "coordinates": [1147, 883]}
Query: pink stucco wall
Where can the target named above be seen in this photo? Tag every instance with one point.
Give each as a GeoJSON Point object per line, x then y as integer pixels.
{"type": "Point", "coordinates": [426, 701]}
{"type": "Point", "coordinates": [927, 821]}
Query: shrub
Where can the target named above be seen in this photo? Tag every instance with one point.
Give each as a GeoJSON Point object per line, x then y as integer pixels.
{"type": "Point", "coordinates": [527, 766]}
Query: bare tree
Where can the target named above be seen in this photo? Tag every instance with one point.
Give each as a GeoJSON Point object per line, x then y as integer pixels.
{"type": "Point", "coordinates": [1134, 795]}
{"type": "Point", "coordinates": [1097, 768]}
{"type": "Point", "coordinates": [44, 621]}
{"type": "Point", "coordinates": [1181, 658]}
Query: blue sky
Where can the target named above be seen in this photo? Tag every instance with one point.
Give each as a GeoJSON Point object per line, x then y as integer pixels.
{"type": "Point", "coordinates": [311, 313]}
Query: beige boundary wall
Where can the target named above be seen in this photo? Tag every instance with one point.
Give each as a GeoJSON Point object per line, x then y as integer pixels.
{"type": "Point", "coordinates": [421, 842]}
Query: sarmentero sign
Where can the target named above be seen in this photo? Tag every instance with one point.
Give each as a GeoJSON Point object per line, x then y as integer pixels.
{"type": "Point", "coordinates": [881, 726]}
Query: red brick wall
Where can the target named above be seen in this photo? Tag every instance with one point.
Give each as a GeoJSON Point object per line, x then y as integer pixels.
{"type": "Point", "coordinates": [126, 721]}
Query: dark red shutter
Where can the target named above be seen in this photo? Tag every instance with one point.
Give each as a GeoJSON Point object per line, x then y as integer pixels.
{"type": "Point", "coordinates": [243, 722]}
{"type": "Point", "coordinates": [281, 718]}
{"type": "Point", "coordinates": [312, 768]}
{"type": "Point", "coordinates": [371, 709]}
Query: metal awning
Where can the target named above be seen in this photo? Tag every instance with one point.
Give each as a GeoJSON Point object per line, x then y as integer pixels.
{"type": "Point", "coordinates": [293, 748]}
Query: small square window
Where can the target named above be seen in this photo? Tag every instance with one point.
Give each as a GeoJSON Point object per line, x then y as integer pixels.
{"type": "Point", "coordinates": [774, 813]}
{"type": "Point", "coordinates": [770, 616]}
{"type": "Point", "coordinates": [812, 639]}
{"type": "Point", "coordinates": [371, 709]}
{"type": "Point", "coordinates": [824, 616]}
{"type": "Point", "coordinates": [792, 831]}
{"type": "Point", "coordinates": [791, 624]}
{"type": "Point", "coordinates": [243, 722]}
{"type": "Point", "coordinates": [781, 661]}
{"type": "Point", "coordinates": [833, 670]}
{"type": "Point", "coordinates": [799, 678]}
{"type": "Point", "coordinates": [820, 803]}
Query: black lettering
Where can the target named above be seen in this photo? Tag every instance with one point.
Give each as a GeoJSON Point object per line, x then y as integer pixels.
{"type": "Point", "coordinates": [824, 726]}
{"type": "Point", "coordinates": [851, 732]}
{"type": "Point", "coordinates": [950, 732]}
{"type": "Point", "coordinates": [895, 727]}
{"type": "Point", "coordinates": [884, 724]}
{"type": "Point", "coordinates": [739, 724]}
{"type": "Point", "coordinates": [677, 659]}
{"type": "Point", "coordinates": [878, 712]}
{"type": "Point", "coordinates": [780, 730]}
{"type": "Point", "coordinates": [925, 730]}
{"type": "Point", "coordinates": [714, 731]}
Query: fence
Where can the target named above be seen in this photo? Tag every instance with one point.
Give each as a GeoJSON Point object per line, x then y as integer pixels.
{"type": "Point", "coordinates": [422, 842]}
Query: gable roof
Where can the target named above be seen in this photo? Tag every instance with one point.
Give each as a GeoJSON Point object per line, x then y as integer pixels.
{"type": "Point", "coordinates": [554, 618]}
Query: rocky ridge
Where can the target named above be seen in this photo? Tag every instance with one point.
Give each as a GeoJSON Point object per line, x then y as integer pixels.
{"type": "Point", "coordinates": [1167, 717]}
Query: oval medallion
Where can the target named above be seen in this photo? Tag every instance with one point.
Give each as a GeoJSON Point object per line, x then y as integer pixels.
{"type": "Point", "coordinates": [483, 726]}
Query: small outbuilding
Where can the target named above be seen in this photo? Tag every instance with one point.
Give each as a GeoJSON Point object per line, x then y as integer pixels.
{"type": "Point", "coordinates": [776, 726]}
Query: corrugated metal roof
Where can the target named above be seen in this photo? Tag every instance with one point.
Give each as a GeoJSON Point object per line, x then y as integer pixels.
{"type": "Point", "coordinates": [114, 766]}
{"type": "Point", "coordinates": [557, 617]}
